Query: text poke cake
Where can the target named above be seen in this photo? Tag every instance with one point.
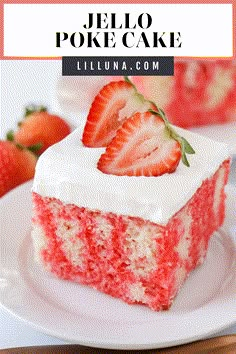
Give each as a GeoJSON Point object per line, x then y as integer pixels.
{"type": "Point", "coordinates": [128, 204]}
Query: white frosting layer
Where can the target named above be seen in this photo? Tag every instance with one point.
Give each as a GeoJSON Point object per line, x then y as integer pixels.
{"type": "Point", "coordinates": [67, 171]}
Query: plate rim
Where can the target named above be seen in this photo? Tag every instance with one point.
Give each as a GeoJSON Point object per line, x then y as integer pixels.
{"type": "Point", "coordinates": [106, 344]}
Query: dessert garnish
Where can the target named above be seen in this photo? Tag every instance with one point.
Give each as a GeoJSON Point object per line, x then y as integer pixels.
{"type": "Point", "coordinates": [115, 102]}
{"type": "Point", "coordinates": [141, 147]}
{"type": "Point", "coordinates": [139, 139]}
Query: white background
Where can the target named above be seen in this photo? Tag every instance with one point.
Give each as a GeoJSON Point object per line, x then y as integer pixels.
{"type": "Point", "coordinates": [40, 82]}
{"type": "Point", "coordinates": [206, 29]}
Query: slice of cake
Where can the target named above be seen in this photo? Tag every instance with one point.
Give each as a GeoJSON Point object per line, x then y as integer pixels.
{"type": "Point", "coordinates": [129, 219]}
{"type": "Point", "coordinates": [201, 92]}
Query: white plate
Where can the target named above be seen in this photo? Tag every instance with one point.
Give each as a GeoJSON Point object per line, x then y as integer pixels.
{"type": "Point", "coordinates": [225, 133]}
{"type": "Point", "coordinates": [205, 305]}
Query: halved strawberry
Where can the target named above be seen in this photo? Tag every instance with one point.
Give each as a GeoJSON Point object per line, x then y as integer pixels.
{"type": "Point", "coordinates": [115, 102]}
{"type": "Point", "coordinates": [145, 145]}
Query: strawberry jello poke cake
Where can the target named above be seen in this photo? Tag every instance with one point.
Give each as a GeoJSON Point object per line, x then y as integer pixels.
{"type": "Point", "coordinates": [201, 92]}
{"type": "Point", "coordinates": [128, 204]}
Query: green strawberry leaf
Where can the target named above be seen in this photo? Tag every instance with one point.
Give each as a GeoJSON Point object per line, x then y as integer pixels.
{"type": "Point", "coordinates": [34, 108]}
{"type": "Point", "coordinates": [10, 135]}
{"type": "Point", "coordinates": [20, 146]}
{"type": "Point", "coordinates": [35, 148]}
{"type": "Point", "coordinates": [126, 78]}
{"type": "Point", "coordinates": [185, 160]}
{"type": "Point", "coordinates": [187, 147]}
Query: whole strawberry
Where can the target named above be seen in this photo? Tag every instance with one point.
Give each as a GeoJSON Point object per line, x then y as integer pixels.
{"type": "Point", "coordinates": [41, 127]}
{"type": "Point", "coordinates": [17, 165]}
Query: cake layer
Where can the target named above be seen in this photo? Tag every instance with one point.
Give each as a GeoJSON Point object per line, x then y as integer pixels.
{"type": "Point", "coordinates": [67, 171]}
{"type": "Point", "coordinates": [128, 257]}
{"type": "Point", "coordinates": [201, 92]}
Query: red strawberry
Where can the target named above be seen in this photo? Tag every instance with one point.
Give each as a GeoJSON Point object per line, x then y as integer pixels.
{"type": "Point", "coordinates": [17, 165]}
{"type": "Point", "coordinates": [116, 101]}
{"type": "Point", "coordinates": [40, 127]}
{"type": "Point", "coordinates": [145, 145]}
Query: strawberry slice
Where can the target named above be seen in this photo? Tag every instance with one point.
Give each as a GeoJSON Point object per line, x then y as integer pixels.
{"type": "Point", "coordinates": [145, 145]}
{"type": "Point", "coordinates": [115, 102]}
